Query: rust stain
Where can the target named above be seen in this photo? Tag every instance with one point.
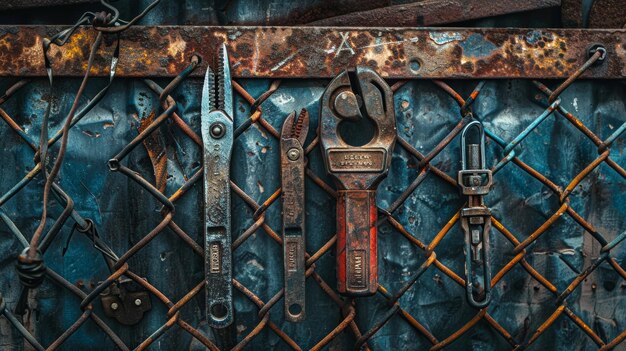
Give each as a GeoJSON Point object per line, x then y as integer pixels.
{"type": "Point", "coordinates": [307, 52]}
{"type": "Point", "coordinates": [158, 156]}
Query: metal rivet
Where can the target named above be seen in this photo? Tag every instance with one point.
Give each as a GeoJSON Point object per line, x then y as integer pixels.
{"type": "Point", "coordinates": [114, 306]}
{"type": "Point", "coordinates": [217, 130]}
{"type": "Point", "coordinates": [138, 302]}
{"type": "Point", "coordinates": [414, 65]}
{"type": "Point", "coordinates": [293, 154]}
{"type": "Point", "coordinates": [346, 105]}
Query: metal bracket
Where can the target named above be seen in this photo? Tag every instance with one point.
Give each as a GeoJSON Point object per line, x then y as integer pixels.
{"type": "Point", "coordinates": [126, 301]}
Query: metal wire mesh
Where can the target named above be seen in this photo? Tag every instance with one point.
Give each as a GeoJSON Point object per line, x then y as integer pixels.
{"type": "Point", "coordinates": [391, 302]}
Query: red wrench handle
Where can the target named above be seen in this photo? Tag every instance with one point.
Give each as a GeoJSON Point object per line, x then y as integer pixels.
{"type": "Point", "coordinates": [357, 271]}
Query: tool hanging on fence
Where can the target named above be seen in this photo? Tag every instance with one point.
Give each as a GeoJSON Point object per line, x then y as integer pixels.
{"type": "Point", "coordinates": [217, 136]}
{"type": "Point", "coordinates": [292, 162]}
{"type": "Point", "coordinates": [357, 171]}
{"type": "Point", "coordinates": [475, 181]}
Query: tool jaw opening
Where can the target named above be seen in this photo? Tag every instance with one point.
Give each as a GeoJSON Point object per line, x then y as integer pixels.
{"type": "Point", "coordinates": [351, 96]}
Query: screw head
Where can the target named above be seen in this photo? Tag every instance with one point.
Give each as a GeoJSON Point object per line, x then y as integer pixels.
{"type": "Point", "coordinates": [217, 130]}
{"type": "Point", "coordinates": [293, 154]}
{"type": "Point", "coordinates": [114, 306]}
{"type": "Point", "coordinates": [137, 302]}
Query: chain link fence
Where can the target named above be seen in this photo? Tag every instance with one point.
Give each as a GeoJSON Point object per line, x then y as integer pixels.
{"type": "Point", "coordinates": [557, 174]}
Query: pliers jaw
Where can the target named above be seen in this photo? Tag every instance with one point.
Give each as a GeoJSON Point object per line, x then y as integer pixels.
{"type": "Point", "coordinates": [296, 127]}
{"type": "Point", "coordinates": [217, 91]}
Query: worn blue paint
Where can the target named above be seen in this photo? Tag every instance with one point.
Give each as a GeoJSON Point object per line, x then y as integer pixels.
{"type": "Point", "coordinates": [445, 37]}
{"type": "Point", "coordinates": [124, 212]}
{"type": "Point", "coordinates": [477, 46]}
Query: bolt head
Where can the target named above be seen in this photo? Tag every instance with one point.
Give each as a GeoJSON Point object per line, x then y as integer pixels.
{"type": "Point", "coordinates": [137, 302]}
{"type": "Point", "coordinates": [347, 106]}
{"type": "Point", "coordinates": [217, 130]}
{"type": "Point", "coordinates": [293, 154]}
{"type": "Point", "coordinates": [115, 306]}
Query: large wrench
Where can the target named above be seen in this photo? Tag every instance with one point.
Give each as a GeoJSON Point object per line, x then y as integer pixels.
{"type": "Point", "coordinates": [357, 171]}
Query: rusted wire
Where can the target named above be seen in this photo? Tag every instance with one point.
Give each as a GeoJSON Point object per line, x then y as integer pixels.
{"type": "Point", "coordinates": [392, 304]}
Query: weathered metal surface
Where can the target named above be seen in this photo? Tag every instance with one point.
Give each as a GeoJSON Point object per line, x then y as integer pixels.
{"type": "Point", "coordinates": [433, 12]}
{"type": "Point", "coordinates": [290, 13]}
{"type": "Point", "coordinates": [217, 136]}
{"type": "Point", "coordinates": [607, 14]}
{"type": "Point", "coordinates": [21, 4]}
{"type": "Point", "coordinates": [324, 52]}
{"type": "Point", "coordinates": [431, 310]}
{"type": "Point", "coordinates": [572, 13]}
{"type": "Point", "coordinates": [292, 169]}
{"type": "Point", "coordinates": [354, 100]}
{"type": "Point", "coordinates": [124, 213]}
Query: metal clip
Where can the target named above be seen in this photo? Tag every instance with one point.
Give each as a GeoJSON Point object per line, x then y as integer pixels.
{"type": "Point", "coordinates": [475, 181]}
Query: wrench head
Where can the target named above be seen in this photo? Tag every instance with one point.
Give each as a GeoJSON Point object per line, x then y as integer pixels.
{"type": "Point", "coordinates": [353, 95]}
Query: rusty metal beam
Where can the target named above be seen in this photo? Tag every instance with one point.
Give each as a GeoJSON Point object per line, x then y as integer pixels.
{"type": "Point", "coordinates": [607, 14]}
{"type": "Point", "coordinates": [21, 4]}
{"type": "Point", "coordinates": [306, 52]}
{"type": "Point", "coordinates": [434, 12]}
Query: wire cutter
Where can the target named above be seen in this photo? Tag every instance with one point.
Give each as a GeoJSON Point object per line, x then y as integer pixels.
{"type": "Point", "coordinates": [217, 136]}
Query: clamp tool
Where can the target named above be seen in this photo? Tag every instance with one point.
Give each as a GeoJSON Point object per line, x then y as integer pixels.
{"type": "Point", "coordinates": [217, 136]}
{"type": "Point", "coordinates": [475, 181]}
{"type": "Point", "coordinates": [357, 171]}
{"type": "Point", "coordinates": [292, 162]}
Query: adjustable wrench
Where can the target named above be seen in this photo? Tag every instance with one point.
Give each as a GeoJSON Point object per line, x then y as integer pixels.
{"type": "Point", "coordinates": [292, 162]}
{"type": "Point", "coordinates": [475, 181]}
{"type": "Point", "coordinates": [217, 136]}
{"type": "Point", "coordinates": [357, 171]}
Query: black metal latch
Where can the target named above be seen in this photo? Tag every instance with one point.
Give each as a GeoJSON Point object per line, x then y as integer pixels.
{"type": "Point", "coordinates": [126, 301]}
{"type": "Point", "coordinates": [475, 181]}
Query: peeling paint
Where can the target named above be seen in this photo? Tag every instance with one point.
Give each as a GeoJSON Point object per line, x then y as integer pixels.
{"type": "Point", "coordinates": [477, 46]}
{"type": "Point", "coordinates": [441, 38]}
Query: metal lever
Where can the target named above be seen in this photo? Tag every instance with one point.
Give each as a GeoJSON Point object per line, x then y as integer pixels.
{"type": "Point", "coordinates": [475, 181]}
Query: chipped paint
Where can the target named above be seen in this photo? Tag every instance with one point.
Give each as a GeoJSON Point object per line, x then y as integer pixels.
{"type": "Point", "coordinates": [441, 38]}
{"type": "Point", "coordinates": [477, 46]}
{"type": "Point", "coordinates": [306, 52]}
{"type": "Point", "coordinates": [177, 45]}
